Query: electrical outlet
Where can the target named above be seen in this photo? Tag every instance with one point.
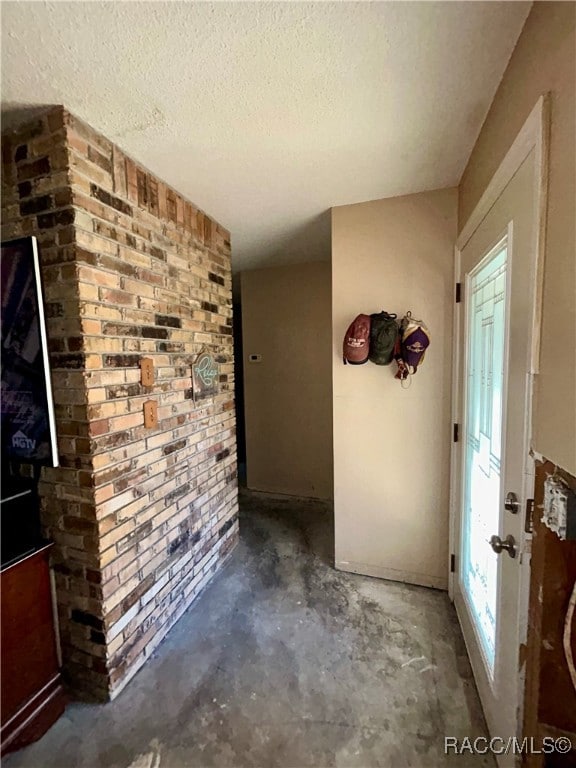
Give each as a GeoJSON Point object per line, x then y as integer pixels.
{"type": "Point", "coordinates": [147, 372]}
{"type": "Point", "coordinates": [559, 508]}
{"type": "Point", "coordinates": [150, 414]}
{"type": "Point", "coordinates": [255, 358]}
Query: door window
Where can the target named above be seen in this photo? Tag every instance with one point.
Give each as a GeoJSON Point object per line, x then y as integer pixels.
{"type": "Point", "coordinates": [486, 299]}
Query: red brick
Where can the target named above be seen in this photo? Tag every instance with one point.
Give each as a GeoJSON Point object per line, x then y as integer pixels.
{"type": "Point", "coordinates": [99, 427]}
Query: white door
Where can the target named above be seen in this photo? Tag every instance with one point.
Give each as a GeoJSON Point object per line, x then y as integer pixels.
{"type": "Point", "coordinates": [497, 276]}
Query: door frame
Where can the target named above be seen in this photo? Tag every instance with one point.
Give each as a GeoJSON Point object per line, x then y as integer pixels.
{"type": "Point", "coordinates": [534, 135]}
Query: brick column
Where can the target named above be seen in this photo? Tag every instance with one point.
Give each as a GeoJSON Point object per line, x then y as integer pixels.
{"type": "Point", "coordinates": [142, 517]}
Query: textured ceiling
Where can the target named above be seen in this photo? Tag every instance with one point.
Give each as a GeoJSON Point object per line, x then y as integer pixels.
{"type": "Point", "coordinates": [267, 114]}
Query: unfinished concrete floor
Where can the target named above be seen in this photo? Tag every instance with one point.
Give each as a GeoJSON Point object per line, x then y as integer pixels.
{"type": "Point", "coordinates": [284, 661]}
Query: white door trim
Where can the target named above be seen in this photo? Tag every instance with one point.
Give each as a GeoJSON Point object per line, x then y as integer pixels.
{"type": "Point", "coordinates": [534, 135]}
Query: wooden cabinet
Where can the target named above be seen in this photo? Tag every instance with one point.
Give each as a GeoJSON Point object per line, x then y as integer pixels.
{"type": "Point", "coordinates": [32, 694]}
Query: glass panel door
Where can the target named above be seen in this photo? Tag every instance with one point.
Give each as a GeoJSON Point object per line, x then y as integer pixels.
{"type": "Point", "coordinates": [486, 322]}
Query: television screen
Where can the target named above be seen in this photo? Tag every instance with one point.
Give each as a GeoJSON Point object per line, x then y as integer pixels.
{"type": "Point", "coordinates": [28, 427]}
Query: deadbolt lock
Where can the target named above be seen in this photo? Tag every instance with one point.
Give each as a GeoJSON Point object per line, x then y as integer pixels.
{"type": "Point", "coordinates": [509, 544]}
{"type": "Point", "coordinates": [511, 503]}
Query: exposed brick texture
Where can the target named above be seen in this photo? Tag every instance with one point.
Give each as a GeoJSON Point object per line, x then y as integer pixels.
{"type": "Point", "coordinates": [141, 517]}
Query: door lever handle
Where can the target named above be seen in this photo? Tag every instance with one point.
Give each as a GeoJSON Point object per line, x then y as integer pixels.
{"type": "Point", "coordinates": [509, 544]}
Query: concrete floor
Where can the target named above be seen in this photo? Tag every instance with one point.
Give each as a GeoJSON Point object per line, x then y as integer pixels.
{"type": "Point", "coordinates": [284, 661]}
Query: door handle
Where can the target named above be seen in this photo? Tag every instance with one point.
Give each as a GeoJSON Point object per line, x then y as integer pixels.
{"type": "Point", "coordinates": [509, 544]}
{"type": "Point", "coordinates": [511, 503]}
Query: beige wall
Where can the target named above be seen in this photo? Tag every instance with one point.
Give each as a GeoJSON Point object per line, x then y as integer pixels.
{"type": "Point", "coordinates": [288, 407]}
{"type": "Point", "coordinates": [544, 60]}
{"type": "Point", "coordinates": [392, 446]}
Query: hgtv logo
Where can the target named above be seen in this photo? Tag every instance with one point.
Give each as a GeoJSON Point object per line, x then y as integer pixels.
{"type": "Point", "coordinates": [19, 440]}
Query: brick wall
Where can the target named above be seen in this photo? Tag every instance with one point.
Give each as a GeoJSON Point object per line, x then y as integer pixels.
{"type": "Point", "coordinates": [141, 517]}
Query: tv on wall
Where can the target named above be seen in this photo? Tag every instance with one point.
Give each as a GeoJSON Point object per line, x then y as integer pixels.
{"type": "Point", "coordinates": [26, 405]}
